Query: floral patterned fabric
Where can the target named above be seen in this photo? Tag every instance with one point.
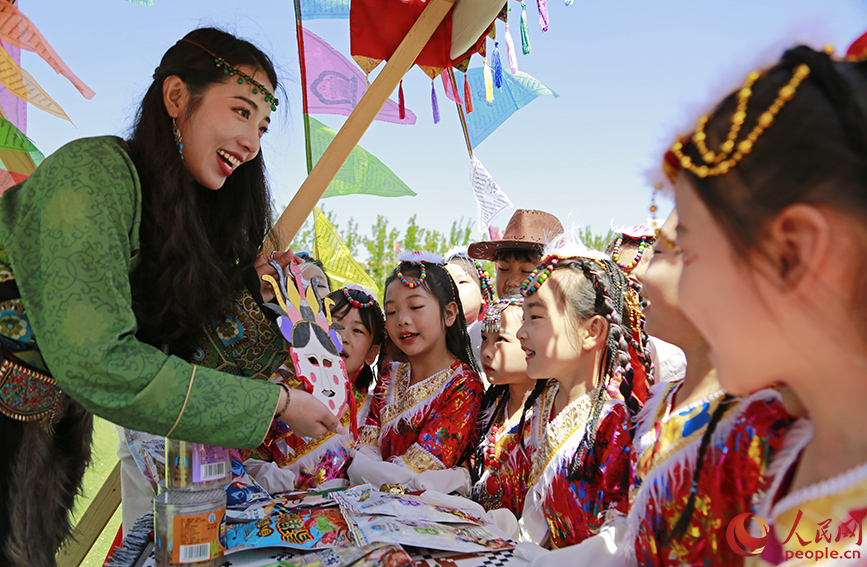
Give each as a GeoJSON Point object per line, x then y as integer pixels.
{"type": "Point", "coordinates": [574, 510]}
{"type": "Point", "coordinates": [748, 435]}
{"type": "Point", "coordinates": [819, 524]}
{"type": "Point", "coordinates": [426, 426]}
{"type": "Point", "coordinates": [506, 472]}
{"type": "Point", "coordinates": [70, 231]}
{"type": "Point", "coordinates": [314, 461]}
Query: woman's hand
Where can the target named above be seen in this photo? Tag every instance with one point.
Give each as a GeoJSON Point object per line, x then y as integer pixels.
{"type": "Point", "coordinates": [307, 416]}
{"type": "Point", "coordinates": [264, 268]}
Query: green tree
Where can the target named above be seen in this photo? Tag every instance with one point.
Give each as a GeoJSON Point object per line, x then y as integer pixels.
{"type": "Point", "coordinates": [595, 241]}
{"type": "Point", "coordinates": [381, 248]}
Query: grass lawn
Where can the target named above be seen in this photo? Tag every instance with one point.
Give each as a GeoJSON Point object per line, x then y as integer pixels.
{"type": "Point", "coordinates": [104, 458]}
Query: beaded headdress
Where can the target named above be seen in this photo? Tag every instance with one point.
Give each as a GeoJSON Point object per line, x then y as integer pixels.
{"type": "Point", "coordinates": [370, 302]}
{"type": "Point", "coordinates": [228, 69]}
{"type": "Point", "coordinates": [732, 150]}
{"type": "Point", "coordinates": [420, 259]}
{"type": "Point", "coordinates": [485, 282]}
{"type": "Point", "coordinates": [492, 322]}
{"type": "Point", "coordinates": [560, 249]}
{"type": "Point", "coordinates": [641, 233]}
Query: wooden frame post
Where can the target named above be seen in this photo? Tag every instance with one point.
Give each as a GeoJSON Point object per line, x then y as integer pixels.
{"type": "Point", "coordinates": [362, 116]}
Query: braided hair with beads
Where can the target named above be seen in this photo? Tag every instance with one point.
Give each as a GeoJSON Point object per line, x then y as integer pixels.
{"type": "Point", "coordinates": [598, 290]}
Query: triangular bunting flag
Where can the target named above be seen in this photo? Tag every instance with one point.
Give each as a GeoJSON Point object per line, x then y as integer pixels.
{"type": "Point", "coordinates": [518, 90]}
{"type": "Point", "coordinates": [335, 85]}
{"type": "Point", "coordinates": [324, 9]}
{"type": "Point", "coordinates": [340, 264]}
{"type": "Point", "coordinates": [21, 84]}
{"type": "Point", "coordinates": [17, 30]}
{"type": "Point", "coordinates": [490, 198]}
{"type": "Point", "coordinates": [362, 172]}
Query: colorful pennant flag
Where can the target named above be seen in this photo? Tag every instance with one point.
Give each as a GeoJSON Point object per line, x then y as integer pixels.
{"type": "Point", "coordinates": [490, 198]}
{"type": "Point", "coordinates": [13, 108]}
{"type": "Point", "coordinates": [362, 173]}
{"type": "Point", "coordinates": [18, 156]}
{"type": "Point", "coordinates": [19, 82]}
{"type": "Point", "coordinates": [340, 264]}
{"type": "Point", "coordinates": [17, 30]}
{"type": "Point", "coordinates": [335, 84]}
{"type": "Point", "coordinates": [518, 90]}
{"type": "Point", "coordinates": [324, 9]}
{"type": "Point", "coordinates": [8, 179]}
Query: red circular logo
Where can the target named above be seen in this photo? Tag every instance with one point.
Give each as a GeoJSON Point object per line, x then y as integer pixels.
{"type": "Point", "coordinates": [739, 538]}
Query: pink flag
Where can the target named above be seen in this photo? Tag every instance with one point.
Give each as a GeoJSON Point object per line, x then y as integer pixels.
{"type": "Point", "coordinates": [335, 84]}
{"type": "Point", "coordinates": [14, 107]}
{"type": "Point", "coordinates": [17, 30]}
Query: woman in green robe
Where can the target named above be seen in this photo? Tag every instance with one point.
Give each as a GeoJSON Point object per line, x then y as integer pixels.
{"type": "Point", "coordinates": [129, 289]}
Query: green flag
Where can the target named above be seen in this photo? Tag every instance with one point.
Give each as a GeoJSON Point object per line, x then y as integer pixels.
{"type": "Point", "coordinates": [362, 173]}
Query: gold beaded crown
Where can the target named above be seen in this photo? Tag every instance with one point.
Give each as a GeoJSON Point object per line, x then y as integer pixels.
{"type": "Point", "coordinates": [731, 151]}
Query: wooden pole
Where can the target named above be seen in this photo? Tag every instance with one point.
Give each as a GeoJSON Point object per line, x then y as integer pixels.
{"type": "Point", "coordinates": [299, 32]}
{"type": "Point", "coordinates": [92, 522]}
{"type": "Point", "coordinates": [289, 223]}
{"type": "Point", "coordinates": [461, 114]}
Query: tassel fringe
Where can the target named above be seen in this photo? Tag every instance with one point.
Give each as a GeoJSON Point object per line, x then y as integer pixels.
{"type": "Point", "coordinates": [525, 35]}
{"type": "Point", "coordinates": [468, 95]}
{"type": "Point", "coordinates": [543, 14]}
{"type": "Point", "coordinates": [498, 67]}
{"type": "Point", "coordinates": [510, 51]}
{"type": "Point", "coordinates": [489, 84]}
{"type": "Point", "coordinates": [434, 103]}
{"type": "Point", "coordinates": [401, 103]}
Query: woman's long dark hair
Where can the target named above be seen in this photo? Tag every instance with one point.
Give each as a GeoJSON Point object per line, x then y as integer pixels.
{"type": "Point", "coordinates": [815, 152]}
{"type": "Point", "coordinates": [195, 242]}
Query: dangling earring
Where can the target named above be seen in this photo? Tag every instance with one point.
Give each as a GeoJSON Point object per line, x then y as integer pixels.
{"type": "Point", "coordinates": [178, 140]}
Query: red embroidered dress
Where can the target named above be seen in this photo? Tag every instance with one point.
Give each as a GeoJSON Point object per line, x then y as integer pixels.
{"type": "Point", "coordinates": [818, 524]}
{"type": "Point", "coordinates": [665, 449]}
{"type": "Point", "coordinates": [503, 482]}
{"type": "Point", "coordinates": [426, 426]}
{"type": "Point", "coordinates": [571, 511]}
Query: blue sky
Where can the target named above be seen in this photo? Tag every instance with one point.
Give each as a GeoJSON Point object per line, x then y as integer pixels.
{"type": "Point", "coordinates": [628, 74]}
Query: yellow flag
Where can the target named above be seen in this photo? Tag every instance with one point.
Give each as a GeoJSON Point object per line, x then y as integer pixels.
{"type": "Point", "coordinates": [24, 86]}
{"type": "Point", "coordinates": [336, 256]}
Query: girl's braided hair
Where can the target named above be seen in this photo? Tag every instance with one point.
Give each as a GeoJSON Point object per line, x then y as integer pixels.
{"type": "Point", "coordinates": [686, 516]}
{"type": "Point", "coordinates": [597, 287]}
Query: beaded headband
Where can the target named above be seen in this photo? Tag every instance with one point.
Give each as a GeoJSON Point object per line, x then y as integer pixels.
{"type": "Point", "coordinates": [242, 76]}
{"type": "Point", "coordinates": [492, 322]}
{"type": "Point", "coordinates": [485, 282]}
{"type": "Point", "coordinates": [615, 253]}
{"type": "Point", "coordinates": [354, 302]}
{"type": "Point", "coordinates": [731, 151]}
{"type": "Point", "coordinates": [535, 280]}
{"type": "Point", "coordinates": [419, 259]}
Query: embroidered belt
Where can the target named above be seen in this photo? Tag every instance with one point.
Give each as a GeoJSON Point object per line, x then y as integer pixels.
{"type": "Point", "coordinates": [27, 394]}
